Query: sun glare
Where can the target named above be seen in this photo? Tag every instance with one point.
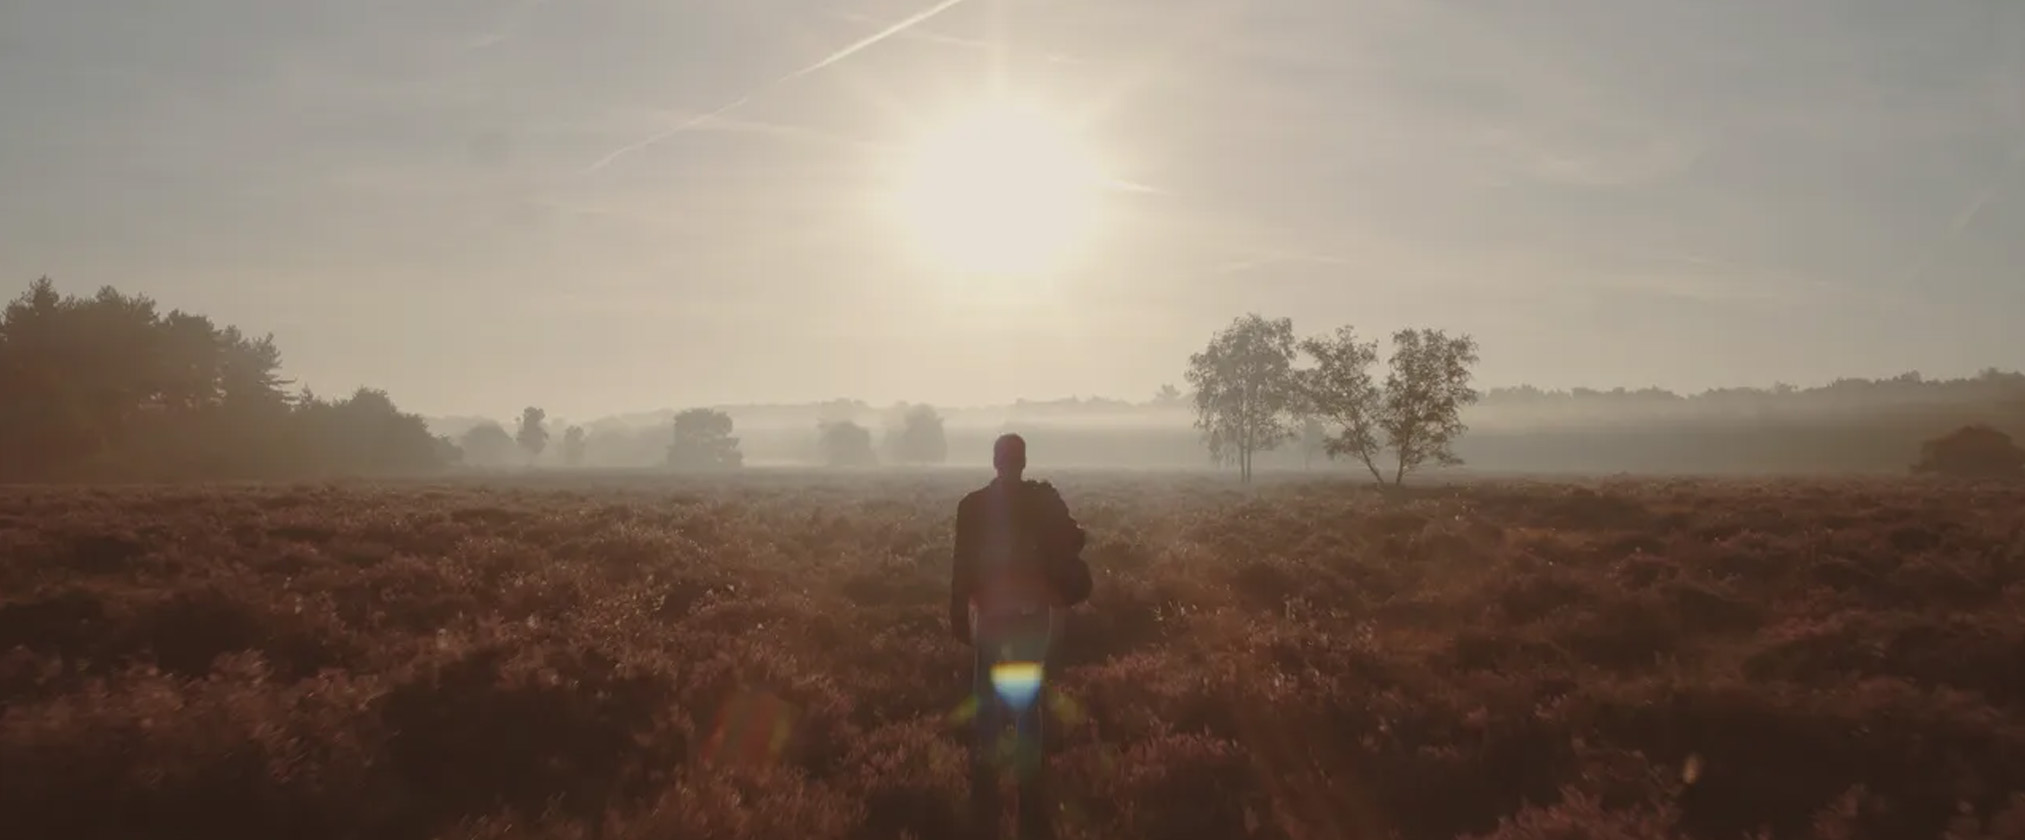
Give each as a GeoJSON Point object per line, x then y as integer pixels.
{"type": "Point", "coordinates": [999, 191]}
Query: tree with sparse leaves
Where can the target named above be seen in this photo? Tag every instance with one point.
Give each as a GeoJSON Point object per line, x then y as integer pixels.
{"type": "Point", "coordinates": [1425, 392]}
{"type": "Point", "coordinates": [1245, 389]}
{"type": "Point", "coordinates": [1340, 393]}
{"type": "Point", "coordinates": [1415, 413]}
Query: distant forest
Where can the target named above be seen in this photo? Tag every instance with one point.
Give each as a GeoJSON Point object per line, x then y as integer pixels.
{"type": "Point", "coordinates": [109, 388]}
{"type": "Point", "coordinates": [1849, 426]}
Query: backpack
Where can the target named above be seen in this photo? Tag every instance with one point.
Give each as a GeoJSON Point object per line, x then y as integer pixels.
{"type": "Point", "coordinates": [1071, 579]}
{"type": "Point", "coordinates": [1068, 574]}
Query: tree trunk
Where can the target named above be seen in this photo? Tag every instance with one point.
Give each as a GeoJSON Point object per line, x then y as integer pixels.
{"type": "Point", "coordinates": [1245, 452]}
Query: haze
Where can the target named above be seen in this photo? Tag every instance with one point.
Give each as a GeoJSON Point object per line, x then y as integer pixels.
{"type": "Point", "coordinates": [455, 200]}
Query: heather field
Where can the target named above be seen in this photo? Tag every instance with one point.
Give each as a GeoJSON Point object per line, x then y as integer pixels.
{"type": "Point", "coordinates": [764, 657]}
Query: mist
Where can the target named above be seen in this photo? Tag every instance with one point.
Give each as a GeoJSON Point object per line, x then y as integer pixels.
{"type": "Point", "coordinates": [1847, 426]}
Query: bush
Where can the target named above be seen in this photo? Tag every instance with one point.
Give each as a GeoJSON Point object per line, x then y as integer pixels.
{"type": "Point", "coordinates": [1976, 451]}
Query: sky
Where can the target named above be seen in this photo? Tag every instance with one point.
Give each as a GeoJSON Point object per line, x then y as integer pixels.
{"type": "Point", "coordinates": [484, 205]}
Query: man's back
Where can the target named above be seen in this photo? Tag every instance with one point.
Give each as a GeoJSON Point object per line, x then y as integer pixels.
{"type": "Point", "coordinates": [1015, 568]}
{"type": "Point", "coordinates": [1011, 535]}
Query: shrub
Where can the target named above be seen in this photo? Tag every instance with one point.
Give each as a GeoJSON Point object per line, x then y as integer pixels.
{"type": "Point", "coordinates": [1976, 451]}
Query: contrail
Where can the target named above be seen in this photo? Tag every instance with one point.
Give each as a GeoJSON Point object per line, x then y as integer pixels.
{"type": "Point", "coordinates": [882, 35]}
{"type": "Point", "coordinates": [926, 35]}
{"type": "Point", "coordinates": [683, 126]}
{"type": "Point", "coordinates": [840, 55]}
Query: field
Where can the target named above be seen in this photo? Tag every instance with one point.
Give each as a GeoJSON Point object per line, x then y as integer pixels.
{"type": "Point", "coordinates": [766, 658]}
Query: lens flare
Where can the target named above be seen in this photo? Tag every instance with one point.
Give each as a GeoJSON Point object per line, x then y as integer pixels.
{"type": "Point", "coordinates": [1017, 683]}
{"type": "Point", "coordinates": [752, 729]}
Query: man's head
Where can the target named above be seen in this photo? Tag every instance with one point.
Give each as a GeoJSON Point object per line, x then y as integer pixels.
{"type": "Point", "coordinates": [1009, 456]}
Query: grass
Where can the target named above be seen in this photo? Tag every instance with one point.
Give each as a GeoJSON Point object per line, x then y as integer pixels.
{"type": "Point", "coordinates": [765, 657]}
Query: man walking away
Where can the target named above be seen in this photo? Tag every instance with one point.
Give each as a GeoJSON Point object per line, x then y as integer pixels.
{"type": "Point", "coordinates": [1017, 569]}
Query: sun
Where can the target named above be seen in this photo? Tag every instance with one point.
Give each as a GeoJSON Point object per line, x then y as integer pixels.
{"type": "Point", "coordinates": [1000, 190]}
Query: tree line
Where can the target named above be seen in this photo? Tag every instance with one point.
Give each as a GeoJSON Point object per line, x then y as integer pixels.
{"type": "Point", "coordinates": [110, 387]}
{"type": "Point", "coordinates": [705, 439]}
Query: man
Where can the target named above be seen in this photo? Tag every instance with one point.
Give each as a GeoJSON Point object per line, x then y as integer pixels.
{"type": "Point", "coordinates": [1017, 569]}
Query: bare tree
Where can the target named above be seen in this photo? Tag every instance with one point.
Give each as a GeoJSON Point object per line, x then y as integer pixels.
{"type": "Point", "coordinates": [1245, 390]}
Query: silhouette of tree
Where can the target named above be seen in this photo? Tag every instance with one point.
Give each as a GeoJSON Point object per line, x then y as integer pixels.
{"type": "Point", "coordinates": [1245, 389]}
{"type": "Point", "coordinates": [249, 371]}
{"type": "Point", "coordinates": [573, 446]}
{"type": "Point", "coordinates": [108, 387]}
{"type": "Point", "coordinates": [919, 438]}
{"type": "Point", "coordinates": [447, 453]}
{"type": "Point", "coordinates": [487, 445]}
{"type": "Point", "coordinates": [1421, 413]}
{"type": "Point", "coordinates": [1976, 451]}
{"type": "Point", "coordinates": [43, 412]}
{"type": "Point", "coordinates": [846, 444]}
{"type": "Point", "coordinates": [703, 441]}
{"type": "Point", "coordinates": [367, 433]}
{"type": "Point", "coordinates": [189, 364]}
{"type": "Point", "coordinates": [532, 435]}
{"type": "Point", "coordinates": [1340, 392]}
{"type": "Point", "coordinates": [1167, 395]}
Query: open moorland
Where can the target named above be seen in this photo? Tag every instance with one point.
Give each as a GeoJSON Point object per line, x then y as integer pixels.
{"type": "Point", "coordinates": [765, 657]}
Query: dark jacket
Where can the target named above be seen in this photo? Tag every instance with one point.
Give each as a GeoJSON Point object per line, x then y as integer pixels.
{"type": "Point", "coordinates": [1016, 546]}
